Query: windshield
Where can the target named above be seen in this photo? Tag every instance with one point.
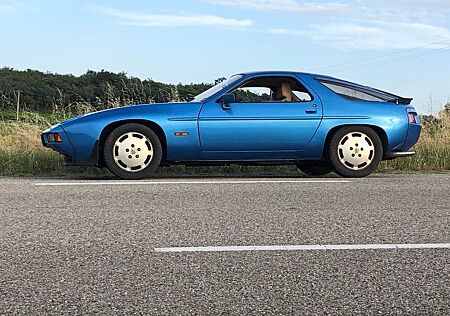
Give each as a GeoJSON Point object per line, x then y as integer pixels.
{"type": "Point", "coordinates": [213, 90]}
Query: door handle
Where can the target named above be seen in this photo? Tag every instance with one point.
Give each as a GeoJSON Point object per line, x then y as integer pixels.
{"type": "Point", "coordinates": [311, 110]}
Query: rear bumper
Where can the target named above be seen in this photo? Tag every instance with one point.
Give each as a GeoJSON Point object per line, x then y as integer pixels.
{"type": "Point", "coordinates": [413, 134]}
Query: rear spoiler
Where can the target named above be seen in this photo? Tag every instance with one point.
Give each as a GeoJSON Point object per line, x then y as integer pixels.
{"type": "Point", "coordinates": [400, 100]}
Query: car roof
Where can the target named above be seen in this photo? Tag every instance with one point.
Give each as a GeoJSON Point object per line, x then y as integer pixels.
{"type": "Point", "coordinates": [284, 72]}
{"type": "Point", "coordinates": [272, 72]}
{"type": "Point", "coordinates": [322, 77]}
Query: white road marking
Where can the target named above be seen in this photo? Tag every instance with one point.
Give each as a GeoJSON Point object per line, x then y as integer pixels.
{"type": "Point", "coordinates": [68, 183]}
{"type": "Point", "coordinates": [303, 247]}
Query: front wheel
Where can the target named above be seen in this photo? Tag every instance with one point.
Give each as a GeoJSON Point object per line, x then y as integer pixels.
{"type": "Point", "coordinates": [132, 151]}
{"type": "Point", "coordinates": [355, 151]}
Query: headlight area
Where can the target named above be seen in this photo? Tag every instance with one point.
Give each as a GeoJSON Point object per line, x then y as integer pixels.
{"type": "Point", "coordinates": [56, 139]}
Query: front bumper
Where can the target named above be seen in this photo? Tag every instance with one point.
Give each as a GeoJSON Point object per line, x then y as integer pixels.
{"type": "Point", "coordinates": [64, 146]}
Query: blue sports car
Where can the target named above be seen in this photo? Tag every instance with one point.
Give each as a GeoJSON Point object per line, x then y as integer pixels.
{"type": "Point", "coordinates": [319, 123]}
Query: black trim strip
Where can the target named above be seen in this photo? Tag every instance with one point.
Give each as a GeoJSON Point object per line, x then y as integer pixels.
{"type": "Point", "coordinates": [346, 117]}
{"type": "Point", "coordinates": [182, 119]}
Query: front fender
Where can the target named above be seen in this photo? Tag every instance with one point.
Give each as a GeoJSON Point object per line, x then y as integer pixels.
{"type": "Point", "coordinates": [64, 147]}
{"type": "Point", "coordinates": [85, 132]}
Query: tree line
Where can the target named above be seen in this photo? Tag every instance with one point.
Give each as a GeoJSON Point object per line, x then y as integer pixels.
{"type": "Point", "coordinates": [33, 90]}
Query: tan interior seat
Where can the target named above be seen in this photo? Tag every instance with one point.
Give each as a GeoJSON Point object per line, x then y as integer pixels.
{"type": "Point", "coordinates": [286, 91]}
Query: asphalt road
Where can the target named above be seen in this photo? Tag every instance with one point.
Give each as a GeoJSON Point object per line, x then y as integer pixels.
{"type": "Point", "coordinates": [88, 246]}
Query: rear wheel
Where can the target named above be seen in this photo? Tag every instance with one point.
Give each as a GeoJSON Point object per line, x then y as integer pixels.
{"type": "Point", "coordinates": [132, 151]}
{"type": "Point", "coordinates": [314, 168]}
{"type": "Point", "coordinates": [355, 151]}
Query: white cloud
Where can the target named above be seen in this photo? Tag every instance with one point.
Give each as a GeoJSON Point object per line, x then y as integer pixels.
{"type": "Point", "coordinates": [287, 6]}
{"type": "Point", "coordinates": [161, 20]}
{"type": "Point", "coordinates": [428, 5]}
{"type": "Point", "coordinates": [377, 24]}
{"type": "Point", "coordinates": [375, 35]}
{"type": "Point", "coordinates": [358, 24]}
{"type": "Point", "coordinates": [422, 11]}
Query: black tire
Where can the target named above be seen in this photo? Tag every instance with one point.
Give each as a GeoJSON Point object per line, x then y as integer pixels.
{"type": "Point", "coordinates": [314, 168]}
{"type": "Point", "coordinates": [336, 155]}
{"type": "Point", "coordinates": [151, 141]}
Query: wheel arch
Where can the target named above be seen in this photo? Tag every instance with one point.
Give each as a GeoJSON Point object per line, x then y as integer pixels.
{"type": "Point", "coordinates": [380, 132]}
{"type": "Point", "coordinates": [110, 127]}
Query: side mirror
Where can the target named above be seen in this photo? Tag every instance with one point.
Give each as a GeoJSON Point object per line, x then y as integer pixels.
{"type": "Point", "coordinates": [227, 99]}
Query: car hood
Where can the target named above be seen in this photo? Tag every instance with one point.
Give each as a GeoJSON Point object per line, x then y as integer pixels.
{"type": "Point", "coordinates": [129, 110]}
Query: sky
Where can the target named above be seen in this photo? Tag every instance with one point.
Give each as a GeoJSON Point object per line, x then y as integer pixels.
{"type": "Point", "coordinates": [400, 46]}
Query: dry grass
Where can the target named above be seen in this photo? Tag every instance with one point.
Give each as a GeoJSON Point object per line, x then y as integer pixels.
{"type": "Point", "coordinates": [20, 137]}
{"type": "Point", "coordinates": [433, 149]}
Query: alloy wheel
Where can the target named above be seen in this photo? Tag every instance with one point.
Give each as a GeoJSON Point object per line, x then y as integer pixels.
{"type": "Point", "coordinates": [132, 151]}
{"type": "Point", "coordinates": [356, 151]}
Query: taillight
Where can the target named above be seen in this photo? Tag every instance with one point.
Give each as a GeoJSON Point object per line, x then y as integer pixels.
{"type": "Point", "coordinates": [412, 118]}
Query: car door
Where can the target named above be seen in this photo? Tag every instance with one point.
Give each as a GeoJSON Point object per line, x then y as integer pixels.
{"type": "Point", "coordinates": [260, 126]}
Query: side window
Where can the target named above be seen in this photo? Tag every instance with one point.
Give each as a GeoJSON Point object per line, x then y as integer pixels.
{"type": "Point", "coordinates": [272, 89]}
{"type": "Point", "coordinates": [253, 94]}
{"type": "Point", "coordinates": [302, 96]}
{"type": "Point", "coordinates": [350, 92]}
